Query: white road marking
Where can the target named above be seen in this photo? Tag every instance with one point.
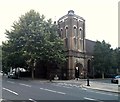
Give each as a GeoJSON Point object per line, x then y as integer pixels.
{"type": "Point", "coordinates": [60, 92]}
{"type": "Point", "coordinates": [11, 82]}
{"type": "Point", "coordinates": [25, 85]}
{"type": "Point", "coordinates": [76, 86]}
{"type": "Point", "coordinates": [60, 83]}
{"type": "Point", "coordinates": [71, 85]}
{"type": "Point", "coordinates": [62, 86]}
{"type": "Point", "coordinates": [92, 99]}
{"type": "Point", "coordinates": [53, 91]}
{"type": "Point", "coordinates": [67, 87]}
{"type": "Point", "coordinates": [65, 84]}
{"type": "Point", "coordinates": [48, 90]}
{"type": "Point", "coordinates": [10, 91]}
{"type": "Point", "coordinates": [32, 100]}
{"type": "Point", "coordinates": [84, 89]}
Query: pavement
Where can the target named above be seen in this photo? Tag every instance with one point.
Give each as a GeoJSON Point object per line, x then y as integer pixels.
{"type": "Point", "coordinates": [101, 86]}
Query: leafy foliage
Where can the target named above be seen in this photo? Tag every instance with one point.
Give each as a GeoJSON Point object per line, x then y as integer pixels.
{"type": "Point", "coordinates": [105, 58]}
{"type": "Point", "coordinates": [31, 39]}
{"type": "Point", "coordinates": [102, 57]}
{"type": "Point", "coordinates": [117, 56]}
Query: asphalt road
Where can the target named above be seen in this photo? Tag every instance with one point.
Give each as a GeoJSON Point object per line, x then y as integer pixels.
{"type": "Point", "coordinates": [15, 89]}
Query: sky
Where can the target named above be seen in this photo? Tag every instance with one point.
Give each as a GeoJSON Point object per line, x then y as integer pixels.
{"type": "Point", "coordinates": [101, 16]}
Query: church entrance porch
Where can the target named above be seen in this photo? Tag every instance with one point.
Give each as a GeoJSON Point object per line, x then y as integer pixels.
{"type": "Point", "coordinates": [79, 71]}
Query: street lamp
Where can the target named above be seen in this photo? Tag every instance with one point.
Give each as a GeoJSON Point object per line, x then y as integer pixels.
{"type": "Point", "coordinates": [88, 75]}
{"type": "Point", "coordinates": [88, 69]}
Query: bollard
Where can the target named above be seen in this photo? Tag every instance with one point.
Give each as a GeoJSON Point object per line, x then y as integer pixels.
{"type": "Point", "coordinates": [88, 82]}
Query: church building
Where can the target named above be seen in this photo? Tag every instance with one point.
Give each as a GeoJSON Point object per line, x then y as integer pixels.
{"type": "Point", "coordinates": [79, 49]}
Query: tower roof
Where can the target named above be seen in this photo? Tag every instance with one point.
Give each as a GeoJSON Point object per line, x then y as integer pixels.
{"type": "Point", "coordinates": [71, 13]}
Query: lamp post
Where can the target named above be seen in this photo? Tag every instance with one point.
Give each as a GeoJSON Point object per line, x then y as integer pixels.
{"type": "Point", "coordinates": [88, 81]}
{"type": "Point", "coordinates": [88, 70]}
{"type": "Point", "coordinates": [88, 84]}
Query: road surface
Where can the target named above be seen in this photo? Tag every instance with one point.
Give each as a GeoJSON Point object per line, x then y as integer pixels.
{"type": "Point", "coordinates": [16, 89]}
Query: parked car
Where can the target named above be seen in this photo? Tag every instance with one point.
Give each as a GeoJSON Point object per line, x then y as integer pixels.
{"type": "Point", "coordinates": [1, 73]}
{"type": "Point", "coordinates": [115, 79]}
{"type": "Point", "coordinates": [12, 75]}
{"type": "Point", "coordinates": [15, 72]}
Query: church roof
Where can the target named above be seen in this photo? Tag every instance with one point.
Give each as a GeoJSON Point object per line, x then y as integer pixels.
{"type": "Point", "coordinates": [90, 46]}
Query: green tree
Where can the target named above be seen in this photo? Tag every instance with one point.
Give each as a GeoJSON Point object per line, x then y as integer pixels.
{"type": "Point", "coordinates": [54, 54]}
{"type": "Point", "coordinates": [33, 39]}
{"type": "Point", "coordinates": [117, 56]}
{"type": "Point", "coordinates": [102, 57]}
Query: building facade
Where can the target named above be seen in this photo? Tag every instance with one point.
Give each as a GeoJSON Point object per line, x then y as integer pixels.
{"type": "Point", "coordinates": [79, 50]}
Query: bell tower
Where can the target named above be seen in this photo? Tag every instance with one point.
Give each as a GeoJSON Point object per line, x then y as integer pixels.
{"type": "Point", "coordinates": [72, 31]}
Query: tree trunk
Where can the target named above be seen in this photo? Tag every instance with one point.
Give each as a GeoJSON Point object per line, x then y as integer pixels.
{"type": "Point", "coordinates": [33, 63]}
{"type": "Point", "coordinates": [32, 72]}
{"type": "Point", "coordinates": [102, 75]}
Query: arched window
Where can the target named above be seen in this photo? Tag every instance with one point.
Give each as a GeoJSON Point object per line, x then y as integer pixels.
{"type": "Point", "coordinates": [75, 43]}
{"type": "Point", "coordinates": [81, 34]}
{"type": "Point", "coordinates": [81, 45]}
{"type": "Point", "coordinates": [66, 31]}
{"type": "Point", "coordinates": [78, 44]}
{"type": "Point", "coordinates": [75, 31]}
